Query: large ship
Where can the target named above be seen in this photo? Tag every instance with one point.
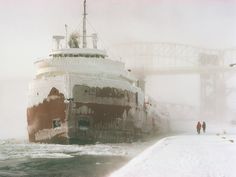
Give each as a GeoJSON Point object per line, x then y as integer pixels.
{"type": "Point", "coordinates": [79, 95]}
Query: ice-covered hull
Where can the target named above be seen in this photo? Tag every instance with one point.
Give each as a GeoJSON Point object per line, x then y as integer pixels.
{"type": "Point", "coordinates": [40, 119]}
{"type": "Point", "coordinates": [106, 115]}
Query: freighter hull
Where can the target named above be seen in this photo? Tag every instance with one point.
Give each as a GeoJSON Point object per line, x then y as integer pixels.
{"type": "Point", "coordinates": [93, 115]}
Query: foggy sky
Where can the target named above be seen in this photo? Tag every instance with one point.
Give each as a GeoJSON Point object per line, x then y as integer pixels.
{"type": "Point", "coordinates": [27, 27]}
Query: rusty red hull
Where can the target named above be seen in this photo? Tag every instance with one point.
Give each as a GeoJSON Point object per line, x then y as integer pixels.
{"type": "Point", "coordinates": [75, 120]}
{"type": "Point", "coordinates": [40, 117]}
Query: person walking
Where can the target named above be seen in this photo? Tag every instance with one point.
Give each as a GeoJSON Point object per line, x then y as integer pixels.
{"type": "Point", "coordinates": [199, 127]}
{"type": "Point", "coordinates": [204, 126]}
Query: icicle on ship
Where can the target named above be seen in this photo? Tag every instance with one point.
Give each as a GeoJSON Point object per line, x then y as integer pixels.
{"type": "Point", "coordinates": [80, 96]}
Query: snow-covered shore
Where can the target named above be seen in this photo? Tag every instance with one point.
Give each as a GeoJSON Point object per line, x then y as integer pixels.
{"type": "Point", "coordinates": [185, 156]}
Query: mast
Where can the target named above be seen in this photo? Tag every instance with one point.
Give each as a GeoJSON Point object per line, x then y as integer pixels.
{"type": "Point", "coordinates": [84, 26]}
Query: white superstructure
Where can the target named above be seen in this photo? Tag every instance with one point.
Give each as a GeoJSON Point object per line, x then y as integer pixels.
{"type": "Point", "coordinates": [65, 68]}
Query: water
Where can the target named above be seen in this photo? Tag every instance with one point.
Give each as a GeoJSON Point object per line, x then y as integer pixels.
{"type": "Point", "coordinates": [78, 166]}
{"type": "Point", "coordinates": [50, 160]}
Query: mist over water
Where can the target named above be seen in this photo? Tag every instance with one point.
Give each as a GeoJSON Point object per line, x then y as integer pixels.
{"type": "Point", "coordinates": [183, 95]}
{"type": "Point", "coordinates": [13, 103]}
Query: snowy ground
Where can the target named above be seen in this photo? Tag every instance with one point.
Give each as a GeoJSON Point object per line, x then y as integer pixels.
{"type": "Point", "coordinates": [185, 156]}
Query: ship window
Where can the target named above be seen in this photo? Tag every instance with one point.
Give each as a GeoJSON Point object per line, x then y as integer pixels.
{"type": "Point", "coordinates": [70, 55]}
{"type": "Point", "coordinates": [83, 124]}
{"type": "Point", "coordinates": [56, 123]}
{"type": "Point", "coordinates": [76, 55]}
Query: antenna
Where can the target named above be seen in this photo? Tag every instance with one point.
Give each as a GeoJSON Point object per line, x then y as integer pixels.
{"type": "Point", "coordinates": [58, 39]}
{"type": "Point", "coordinates": [84, 26]}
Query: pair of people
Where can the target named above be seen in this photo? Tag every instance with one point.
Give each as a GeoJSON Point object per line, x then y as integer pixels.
{"type": "Point", "coordinates": [199, 126]}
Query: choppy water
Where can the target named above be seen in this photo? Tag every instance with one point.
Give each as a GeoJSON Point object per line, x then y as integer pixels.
{"type": "Point", "coordinates": [36, 160]}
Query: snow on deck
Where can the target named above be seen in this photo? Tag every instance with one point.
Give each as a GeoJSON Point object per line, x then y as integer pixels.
{"type": "Point", "coordinates": [185, 156]}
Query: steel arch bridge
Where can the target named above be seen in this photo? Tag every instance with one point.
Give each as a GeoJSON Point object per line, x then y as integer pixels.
{"type": "Point", "coordinates": [212, 65]}
{"type": "Point", "coordinates": [171, 58]}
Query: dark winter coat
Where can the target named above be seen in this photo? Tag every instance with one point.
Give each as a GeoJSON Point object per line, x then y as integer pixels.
{"type": "Point", "coordinates": [198, 125]}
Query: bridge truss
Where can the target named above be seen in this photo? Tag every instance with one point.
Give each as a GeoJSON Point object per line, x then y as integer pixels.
{"type": "Point", "coordinates": [212, 65]}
